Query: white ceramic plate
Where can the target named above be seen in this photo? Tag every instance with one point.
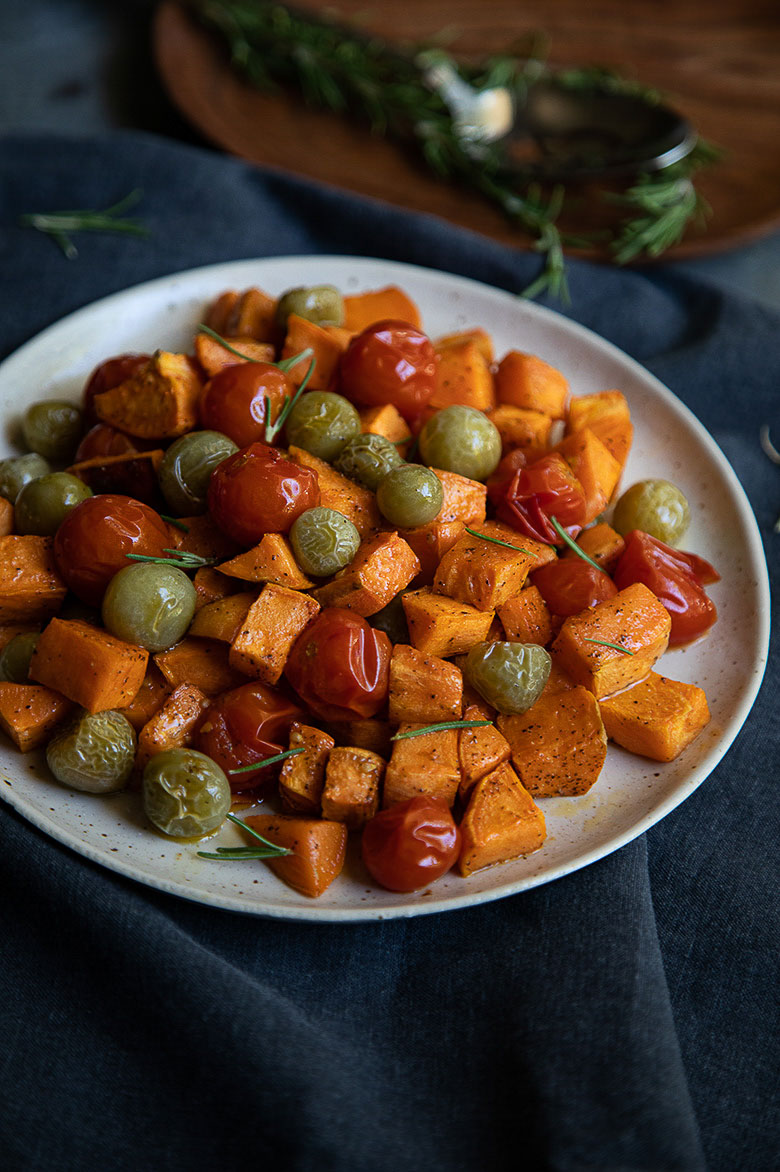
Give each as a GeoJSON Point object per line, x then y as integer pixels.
{"type": "Point", "coordinates": [631, 793]}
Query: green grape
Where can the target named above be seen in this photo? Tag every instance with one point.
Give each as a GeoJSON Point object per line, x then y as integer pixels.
{"type": "Point", "coordinates": [655, 506]}
{"type": "Point", "coordinates": [17, 471]}
{"type": "Point", "coordinates": [52, 428]}
{"type": "Point", "coordinates": [392, 620]}
{"type": "Point", "coordinates": [186, 469]}
{"type": "Point", "coordinates": [321, 304]}
{"type": "Point", "coordinates": [321, 423]}
{"type": "Point", "coordinates": [94, 752]}
{"type": "Point", "coordinates": [43, 503]}
{"type": "Point", "coordinates": [463, 440]}
{"type": "Point", "coordinates": [323, 541]}
{"type": "Point", "coordinates": [15, 657]}
{"type": "Point", "coordinates": [367, 459]}
{"type": "Point", "coordinates": [185, 793]}
{"type": "Point", "coordinates": [149, 604]}
{"type": "Point", "coordinates": [510, 676]}
{"type": "Point", "coordinates": [409, 496]}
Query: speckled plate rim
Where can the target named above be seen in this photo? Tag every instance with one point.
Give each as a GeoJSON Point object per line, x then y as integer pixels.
{"type": "Point", "coordinates": [164, 312]}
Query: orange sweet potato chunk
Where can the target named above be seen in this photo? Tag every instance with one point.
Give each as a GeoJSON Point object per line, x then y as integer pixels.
{"type": "Point", "coordinates": [327, 345]}
{"type": "Point", "coordinates": [426, 764]}
{"type": "Point", "coordinates": [462, 499]}
{"type": "Point", "coordinates": [439, 625]}
{"type": "Point", "coordinates": [501, 822]}
{"type": "Point", "coordinates": [524, 380]}
{"type": "Point", "coordinates": [88, 665]}
{"type": "Point", "coordinates": [526, 617]}
{"type": "Point", "coordinates": [303, 776]}
{"type": "Point", "coordinates": [463, 377]}
{"type": "Point", "coordinates": [249, 314]}
{"type": "Point", "coordinates": [430, 543]}
{"type": "Point", "coordinates": [318, 849]}
{"type": "Point", "coordinates": [480, 750]}
{"type": "Point", "coordinates": [31, 589]}
{"type": "Point", "coordinates": [477, 334]}
{"type": "Point", "coordinates": [202, 662]}
{"type": "Point", "coordinates": [520, 427]}
{"type": "Point", "coordinates": [656, 718]}
{"type": "Point", "coordinates": [213, 356]}
{"type": "Point", "coordinates": [594, 466]}
{"type": "Point", "coordinates": [29, 713]}
{"type": "Point", "coordinates": [173, 725]}
{"type": "Point", "coordinates": [482, 573]}
{"type": "Point", "coordinates": [381, 568]}
{"type": "Point", "coordinates": [270, 627]}
{"type": "Point", "coordinates": [161, 401]}
{"type": "Point", "coordinates": [388, 422]}
{"type": "Point", "coordinates": [559, 745]}
{"type": "Point", "coordinates": [601, 543]}
{"type": "Point", "coordinates": [387, 304]}
{"type": "Point", "coordinates": [358, 504]}
{"type": "Point", "coordinates": [222, 618]}
{"type": "Point", "coordinates": [423, 688]}
{"type": "Point", "coordinates": [353, 778]}
{"type": "Point", "coordinates": [272, 560]}
{"type": "Point", "coordinates": [149, 698]}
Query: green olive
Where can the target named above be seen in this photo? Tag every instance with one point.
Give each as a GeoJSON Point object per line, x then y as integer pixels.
{"type": "Point", "coordinates": [53, 428]}
{"type": "Point", "coordinates": [510, 676]}
{"type": "Point", "coordinates": [655, 506]}
{"type": "Point", "coordinates": [44, 503]}
{"type": "Point", "coordinates": [392, 620]}
{"type": "Point", "coordinates": [321, 423]}
{"type": "Point", "coordinates": [186, 469]}
{"type": "Point", "coordinates": [463, 440]}
{"type": "Point", "coordinates": [16, 471]}
{"type": "Point", "coordinates": [94, 752]}
{"type": "Point", "coordinates": [409, 496]}
{"type": "Point", "coordinates": [367, 459]}
{"type": "Point", "coordinates": [323, 541]}
{"type": "Point", "coordinates": [15, 657]}
{"type": "Point", "coordinates": [185, 793]}
{"type": "Point", "coordinates": [149, 604]}
{"type": "Point", "coordinates": [321, 304]}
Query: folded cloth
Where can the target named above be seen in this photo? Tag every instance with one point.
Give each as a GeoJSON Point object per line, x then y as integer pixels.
{"type": "Point", "coordinates": [621, 1018]}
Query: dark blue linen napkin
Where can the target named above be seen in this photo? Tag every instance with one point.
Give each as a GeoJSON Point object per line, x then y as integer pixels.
{"type": "Point", "coordinates": [622, 1018]}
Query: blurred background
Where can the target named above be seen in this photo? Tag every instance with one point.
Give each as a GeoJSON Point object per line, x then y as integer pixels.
{"type": "Point", "coordinates": [85, 66]}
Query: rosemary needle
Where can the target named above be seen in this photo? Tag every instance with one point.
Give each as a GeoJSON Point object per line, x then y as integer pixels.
{"type": "Point", "coordinates": [268, 761]}
{"type": "Point", "coordinates": [267, 850]}
{"type": "Point", "coordinates": [442, 727]}
{"type": "Point", "coordinates": [59, 225]}
{"type": "Point", "coordinates": [498, 541]}
{"type": "Point", "coordinates": [606, 643]}
{"type": "Point", "coordinates": [572, 544]}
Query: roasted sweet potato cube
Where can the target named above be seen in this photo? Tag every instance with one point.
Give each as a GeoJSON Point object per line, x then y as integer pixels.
{"type": "Point", "coordinates": [210, 585]}
{"type": "Point", "coordinates": [382, 567]}
{"type": "Point", "coordinates": [501, 822]}
{"type": "Point", "coordinates": [524, 380]}
{"type": "Point", "coordinates": [271, 625]}
{"type": "Point", "coordinates": [173, 725]}
{"type": "Point", "coordinates": [463, 499]}
{"type": "Point", "coordinates": [367, 733]}
{"type": "Point", "coordinates": [387, 304]}
{"type": "Point", "coordinates": [303, 776]}
{"type": "Point", "coordinates": [213, 356]}
{"type": "Point", "coordinates": [480, 750]}
{"type": "Point", "coordinates": [202, 536]}
{"type": "Point", "coordinates": [559, 745]}
{"type": "Point", "coordinates": [520, 427]}
{"type": "Point", "coordinates": [439, 625]}
{"type": "Point", "coordinates": [272, 560]}
{"type": "Point", "coordinates": [656, 718]}
{"type": "Point", "coordinates": [423, 688]}
{"type": "Point", "coordinates": [149, 698]}
{"type": "Point", "coordinates": [594, 466]}
{"type": "Point", "coordinates": [358, 504]}
{"type": "Point", "coordinates": [526, 618]}
{"type": "Point", "coordinates": [601, 543]}
{"type": "Point", "coordinates": [616, 433]}
{"type": "Point", "coordinates": [463, 377]}
{"type": "Point", "coordinates": [426, 764]}
{"type": "Point", "coordinates": [430, 543]}
{"type": "Point", "coordinates": [633, 620]}
{"type": "Point", "coordinates": [585, 409]}
{"type": "Point", "coordinates": [481, 338]}
{"type": "Point", "coordinates": [203, 662]}
{"type": "Point", "coordinates": [388, 422]}
{"type": "Point", "coordinates": [318, 849]}
{"type": "Point", "coordinates": [88, 665]}
{"type": "Point", "coordinates": [223, 618]}
{"type": "Point", "coordinates": [29, 713]}
{"type": "Point", "coordinates": [31, 589]}
{"type": "Point", "coordinates": [482, 573]}
{"type": "Point", "coordinates": [352, 783]}
{"type": "Point", "coordinates": [158, 402]}
{"type": "Point", "coordinates": [327, 346]}
{"type": "Point", "coordinates": [249, 314]}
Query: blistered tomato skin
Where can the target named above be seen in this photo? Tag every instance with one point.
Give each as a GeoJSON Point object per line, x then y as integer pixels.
{"type": "Point", "coordinates": [544, 489]}
{"type": "Point", "coordinates": [389, 362]}
{"type": "Point", "coordinates": [245, 726]}
{"type": "Point", "coordinates": [92, 543]}
{"type": "Point", "coordinates": [675, 578]}
{"type": "Point", "coordinates": [340, 666]}
{"type": "Point", "coordinates": [410, 844]}
{"type": "Point", "coordinates": [234, 400]}
{"type": "Point", "coordinates": [259, 491]}
{"type": "Point", "coordinates": [570, 585]}
{"type": "Point", "coordinates": [108, 375]}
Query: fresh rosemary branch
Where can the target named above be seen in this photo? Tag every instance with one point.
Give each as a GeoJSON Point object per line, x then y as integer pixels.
{"type": "Point", "coordinates": [180, 559]}
{"type": "Point", "coordinates": [265, 849]}
{"type": "Point", "coordinates": [59, 225]}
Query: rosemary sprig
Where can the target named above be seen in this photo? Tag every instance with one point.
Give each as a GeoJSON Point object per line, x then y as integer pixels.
{"type": "Point", "coordinates": [181, 559]}
{"type": "Point", "coordinates": [572, 544]}
{"type": "Point", "coordinates": [268, 850]}
{"type": "Point", "coordinates": [606, 643]}
{"type": "Point", "coordinates": [59, 225]}
{"type": "Point", "coordinates": [268, 761]}
{"type": "Point", "coordinates": [442, 727]}
{"type": "Point", "coordinates": [498, 541]}
{"type": "Point", "coordinates": [177, 524]}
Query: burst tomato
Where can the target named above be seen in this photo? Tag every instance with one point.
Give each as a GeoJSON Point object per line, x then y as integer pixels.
{"type": "Point", "coordinates": [102, 440]}
{"type": "Point", "coordinates": [257, 491]}
{"type": "Point", "coordinates": [675, 578]}
{"type": "Point", "coordinates": [410, 844]}
{"type": "Point", "coordinates": [570, 585]}
{"type": "Point", "coordinates": [340, 666]}
{"type": "Point", "coordinates": [544, 489]}
{"type": "Point", "coordinates": [234, 400]}
{"type": "Point", "coordinates": [92, 543]}
{"type": "Point", "coordinates": [108, 375]}
{"type": "Point", "coordinates": [245, 726]}
{"type": "Point", "coordinates": [389, 362]}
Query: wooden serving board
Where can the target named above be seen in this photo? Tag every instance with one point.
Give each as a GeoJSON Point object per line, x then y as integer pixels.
{"type": "Point", "coordinates": [717, 64]}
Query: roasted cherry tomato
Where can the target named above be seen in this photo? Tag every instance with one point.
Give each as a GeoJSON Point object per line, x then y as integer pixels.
{"type": "Point", "coordinates": [410, 844]}
{"type": "Point", "coordinates": [245, 726]}
{"type": "Point", "coordinates": [570, 585]}
{"type": "Point", "coordinates": [102, 440]}
{"type": "Point", "coordinates": [675, 578]}
{"type": "Point", "coordinates": [92, 543]}
{"type": "Point", "coordinates": [508, 467]}
{"type": "Point", "coordinates": [258, 491]}
{"type": "Point", "coordinates": [340, 666]}
{"type": "Point", "coordinates": [544, 489]}
{"type": "Point", "coordinates": [389, 362]}
{"type": "Point", "coordinates": [108, 375]}
{"type": "Point", "coordinates": [234, 400]}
